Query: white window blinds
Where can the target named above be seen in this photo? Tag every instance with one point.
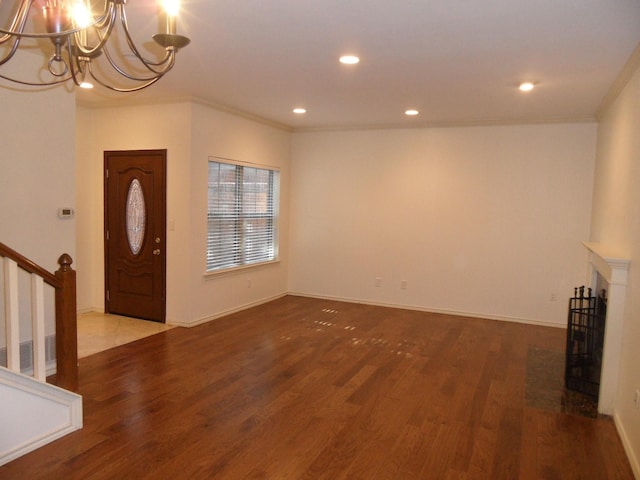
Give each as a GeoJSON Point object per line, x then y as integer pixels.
{"type": "Point", "coordinates": [242, 215]}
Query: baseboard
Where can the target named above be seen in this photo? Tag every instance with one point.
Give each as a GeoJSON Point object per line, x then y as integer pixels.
{"type": "Point", "coordinates": [458, 313]}
{"type": "Point", "coordinates": [224, 313]}
{"type": "Point", "coordinates": [83, 311]}
{"type": "Point", "coordinates": [633, 459]}
{"type": "Point", "coordinates": [26, 355]}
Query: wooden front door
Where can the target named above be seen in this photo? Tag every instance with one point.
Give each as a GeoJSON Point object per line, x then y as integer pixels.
{"type": "Point", "coordinates": [135, 233]}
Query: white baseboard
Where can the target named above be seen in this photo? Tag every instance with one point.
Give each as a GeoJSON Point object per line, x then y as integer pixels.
{"type": "Point", "coordinates": [633, 459]}
{"type": "Point", "coordinates": [458, 313]}
{"type": "Point", "coordinates": [215, 316]}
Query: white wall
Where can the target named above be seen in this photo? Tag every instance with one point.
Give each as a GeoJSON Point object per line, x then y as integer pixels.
{"type": "Point", "coordinates": [191, 133]}
{"type": "Point", "coordinates": [37, 164]}
{"type": "Point", "coordinates": [131, 128]}
{"type": "Point", "coordinates": [616, 209]}
{"type": "Point", "coordinates": [484, 221]}
{"type": "Point", "coordinates": [219, 134]}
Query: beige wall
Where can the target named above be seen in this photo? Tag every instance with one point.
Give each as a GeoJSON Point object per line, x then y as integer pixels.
{"type": "Point", "coordinates": [484, 221]}
{"type": "Point", "coordinates": [219, 134]}
{"type": "Point", "coordinates": [191, 133]}
{"type": "Point", "coordinates": [37, 164]}
{"type": "Point", "coordinates": [616, 210]}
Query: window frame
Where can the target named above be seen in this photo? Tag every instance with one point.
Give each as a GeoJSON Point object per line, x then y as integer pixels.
{"type": "Point", "coordinates": [240, 216]}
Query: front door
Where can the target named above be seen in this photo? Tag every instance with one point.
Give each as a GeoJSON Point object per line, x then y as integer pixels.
{"type": "Point", "coordinates": [135, 224]}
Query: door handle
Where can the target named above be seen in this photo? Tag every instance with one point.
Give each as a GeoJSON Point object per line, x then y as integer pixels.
{"type": "Point", "coordinates": [156, 251]}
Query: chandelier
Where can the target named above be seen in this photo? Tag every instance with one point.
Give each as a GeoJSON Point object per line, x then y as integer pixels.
{"type": "Point", "coordinates": [86, 46]}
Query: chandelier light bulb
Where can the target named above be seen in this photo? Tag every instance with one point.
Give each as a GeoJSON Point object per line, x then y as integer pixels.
{"type": "Point", "coordinates": [172, 7]}
{"type": "Point", "coordinates": [81, 15]}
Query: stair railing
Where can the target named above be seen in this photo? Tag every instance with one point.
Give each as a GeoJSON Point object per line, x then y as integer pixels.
{"type": "Point", "coordinates": [64, 283]}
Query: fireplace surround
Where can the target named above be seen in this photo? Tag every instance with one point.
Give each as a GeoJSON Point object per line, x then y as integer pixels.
{"type": "Point", "coordinates": [608, 269]}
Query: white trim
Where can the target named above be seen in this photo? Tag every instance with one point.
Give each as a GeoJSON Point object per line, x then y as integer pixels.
{"type": "Point", "coordinates": [631, 456]}
{"type": "Point", "coordinates": [239, 268]}
{"type": "Point", "coordinates": [224, 313]}
{"type": "Point", "coordinates": [458, 313]}
{"type": "Point", "coordinates": [613, 266]}
{"type": "Point", "coordinates": [48, 393]}
{"type": "Point", "coordinates": [233, 161]}
{"type": "Point", "coordinates": [621, 81]}
{"type": "Point", "coordinates": [84, 311]}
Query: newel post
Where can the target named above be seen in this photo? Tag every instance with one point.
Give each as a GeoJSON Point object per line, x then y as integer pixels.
{"type": "Point", "coordinates": [66, 326]}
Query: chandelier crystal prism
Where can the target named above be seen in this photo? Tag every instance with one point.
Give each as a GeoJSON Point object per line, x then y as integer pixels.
{"type": "Point", "coordinates": [83, 46]}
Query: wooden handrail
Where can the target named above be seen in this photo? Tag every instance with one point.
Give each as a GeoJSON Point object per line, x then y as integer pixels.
{"type": "Point", "coordinates": [64, 283]}
{"type": "Point", "coordinates": [31, 267]}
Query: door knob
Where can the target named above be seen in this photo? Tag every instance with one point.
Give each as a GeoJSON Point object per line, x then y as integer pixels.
{"type": "Point", "coordinates": [156, 251]}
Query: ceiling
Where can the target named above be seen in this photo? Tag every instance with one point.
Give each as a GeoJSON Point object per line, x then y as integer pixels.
{"type": "Point", "coordinates": [456, 61]}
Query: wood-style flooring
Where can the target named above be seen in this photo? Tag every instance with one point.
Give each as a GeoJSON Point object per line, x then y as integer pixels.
{"type": "Point", "coordinates": [303, 388]}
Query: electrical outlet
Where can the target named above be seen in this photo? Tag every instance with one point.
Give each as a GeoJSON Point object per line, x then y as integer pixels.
{"type": "Point", "coordinates": [378, 282]}
{"type": "Point", "coordinates": [249, 283]}
{"type": "Point", "coordinates": [403, 284]}
{"type": "Point", "coordinates": [553, 297]}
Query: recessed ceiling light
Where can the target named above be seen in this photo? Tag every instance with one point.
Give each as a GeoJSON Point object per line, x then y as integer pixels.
{"type": "Point", "coordinates": [526, 86]}
{"type": "Point", "coordinates": [299, 111]}
{"type": "Point", "coordinates": [349, 59]}
{"type": "Point", "coordinates": [411, 112]}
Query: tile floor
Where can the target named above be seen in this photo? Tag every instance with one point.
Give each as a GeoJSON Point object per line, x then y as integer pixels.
{"type": "Point", "coordinates": [100, 331]}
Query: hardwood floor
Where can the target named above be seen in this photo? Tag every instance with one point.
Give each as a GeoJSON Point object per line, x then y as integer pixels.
{"type": "Point", "coordinates": [312, 389]}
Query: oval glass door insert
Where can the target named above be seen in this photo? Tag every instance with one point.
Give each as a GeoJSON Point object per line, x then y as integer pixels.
{"type": "Point", "coordinates": [136, 216]}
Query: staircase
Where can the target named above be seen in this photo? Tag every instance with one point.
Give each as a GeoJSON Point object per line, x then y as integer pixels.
{"type": "Point", "coordinates": [32, 411]}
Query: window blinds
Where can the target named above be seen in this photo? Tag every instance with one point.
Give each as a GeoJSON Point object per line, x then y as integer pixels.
{"type": "Point", "coordinates": [242, 215]}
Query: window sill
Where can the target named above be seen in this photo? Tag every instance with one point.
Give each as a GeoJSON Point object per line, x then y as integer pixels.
{"type": "Point", "coordinates": [239, 269]}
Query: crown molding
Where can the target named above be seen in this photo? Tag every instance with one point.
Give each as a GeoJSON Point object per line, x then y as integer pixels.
{"type": "Point", "coordinates": [452, 124]}
{"type": "Point", "coordinates": [483, 122]}
{"type": "Point", "coordinates": [620, 82]}
{"type": "Point", "coordinates": [139, 102]}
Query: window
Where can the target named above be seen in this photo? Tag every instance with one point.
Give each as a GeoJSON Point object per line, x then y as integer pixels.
{"type": "Point", "coordinates": [242, 215]}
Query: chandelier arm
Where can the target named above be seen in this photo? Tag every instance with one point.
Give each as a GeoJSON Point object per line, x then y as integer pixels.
{"type": "Point", "coordinates": [11, 52]}
{"type": "Point", "coordinates": [106, 16]}
{"type": "Point", "coordinates": [17, 34]}
{"type": "Point", "coordinates": [124, 90]}
{"type": "Point", "coordinates": [18, 22]}
{"type": "Point", "coordinates": [102, 36]}
{"type": "Point", "coordinates": [124, 73]}
{"type": "Point", "coordinates": [74, 63]}
{"type": "Point", "coordinates": [35, 84]}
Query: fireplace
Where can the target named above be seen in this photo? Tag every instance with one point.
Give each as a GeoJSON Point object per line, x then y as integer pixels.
{"type": "Point", "coordinates": [608, 270]}
{"type": "Point", "coordinates": [585, 341]}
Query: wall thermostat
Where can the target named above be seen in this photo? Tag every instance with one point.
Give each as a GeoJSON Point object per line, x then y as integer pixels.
{"type": "Point", "coordinates": [65, 212]}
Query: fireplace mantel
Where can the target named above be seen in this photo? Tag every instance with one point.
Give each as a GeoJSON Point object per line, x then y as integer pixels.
{"type": "Point", "coordinates": [609, 263]}
{"type": "Point", "coordinates": [613, 268]}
